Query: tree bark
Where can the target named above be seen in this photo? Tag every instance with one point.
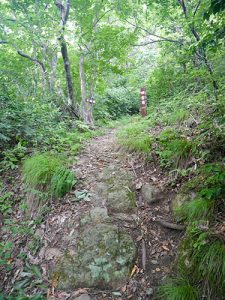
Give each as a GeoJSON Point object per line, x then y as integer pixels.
{"type": "Point", "coordinates": [86, 107]}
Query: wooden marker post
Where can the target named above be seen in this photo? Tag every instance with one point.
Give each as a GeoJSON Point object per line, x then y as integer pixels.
{"type": "Point", "coordinates": [143, 103]}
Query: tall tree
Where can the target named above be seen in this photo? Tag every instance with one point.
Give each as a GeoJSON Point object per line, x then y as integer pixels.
{"type": "Point", "coordinates": [64, 14]}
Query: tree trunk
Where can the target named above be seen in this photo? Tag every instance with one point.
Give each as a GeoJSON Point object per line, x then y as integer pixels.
{"type": "Point", "coordinates": [64, 10]}
{"type": "Point", "coordinates": [66, 63]}
{"type": "Point", "coordinates": [86, 106]}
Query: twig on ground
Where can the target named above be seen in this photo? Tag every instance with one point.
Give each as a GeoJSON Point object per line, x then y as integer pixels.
{"type": "Point", "coordinates": [143, 255]}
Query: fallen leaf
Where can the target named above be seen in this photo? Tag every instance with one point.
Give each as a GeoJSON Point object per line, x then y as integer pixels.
{"type": "Point", "coordinates": [134, 270]}
{"type": "Point", "coordinates": [123, 289]}
{"type": "Point", "coordinates": [165, 248]}
{"type": "Point", "coordinates": [138, 186]}
{"type": "Point", "coordinates": [139, 238]}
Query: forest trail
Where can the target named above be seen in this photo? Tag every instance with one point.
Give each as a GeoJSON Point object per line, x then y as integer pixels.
{"type": "Point", "coordinates": [101, 241]}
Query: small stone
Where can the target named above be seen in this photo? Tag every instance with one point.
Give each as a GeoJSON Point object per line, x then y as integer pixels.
{"type": "Point", "coordinates": [150, 193]}
{"type": "Point", "coordinates": [154, 262]}
{"type": "Point", "coordinates": [83, 297]}
{"type": "Point", "coordinates": [149, 291]}
{"type": "Point", "coordinates": [51, 253]}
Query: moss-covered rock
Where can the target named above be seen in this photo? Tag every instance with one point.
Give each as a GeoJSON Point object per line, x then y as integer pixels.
{"type": "Point", "coordinates": [103, 259]}
{"type": "Point", "coordinates": [180, 199]}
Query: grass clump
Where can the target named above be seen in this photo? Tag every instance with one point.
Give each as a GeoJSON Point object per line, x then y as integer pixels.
{"type": "Point", "coordinates": [203, 260]}
{"type": "Point", "coordinates": [62, 182]}
{"type": "Point", "coordinates": [136, 138]}
{"type": "Point", "coordinates": [178, 289]}
{"type": "Point", "coordinates": [197, 209]}
{"type": "Point", "coordinates": [46, 172]}
{"type": "Point", "coordinates": [210, 265]}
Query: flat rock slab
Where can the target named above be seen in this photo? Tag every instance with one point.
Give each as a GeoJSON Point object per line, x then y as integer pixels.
{"type": "Point", "coordinates": [103, 259]}
{"type": "Point", "coordinates": [94, 216]}
{"type": "Point", "coordinates": [116, 188]}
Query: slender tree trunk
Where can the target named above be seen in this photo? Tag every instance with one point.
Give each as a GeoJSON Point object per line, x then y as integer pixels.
{"type": "Point", "coordinates": [64, 10]}
{"type": "Point", "coordinates": [66, 63]}
{"type": "Point", "coordinates": [86, 107]}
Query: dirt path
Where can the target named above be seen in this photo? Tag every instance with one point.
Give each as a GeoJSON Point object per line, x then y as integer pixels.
{"type": "Point", "coordinates": [101, 241]}
{"type": "Point", "coordinates": [156, 246]}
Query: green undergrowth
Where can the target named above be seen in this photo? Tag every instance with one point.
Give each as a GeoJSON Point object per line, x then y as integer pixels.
{"type": "Point", "coordinates": [186, 137]}
{"type": "Point", "coordinates": [67, 138]}
{"type": "Point", "coordinates": [136, 137]}
{"type": "Point", "coordinates": [48, 172]}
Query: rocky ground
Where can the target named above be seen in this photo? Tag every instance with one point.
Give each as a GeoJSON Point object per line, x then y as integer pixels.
{"type": "Point", "coordinates": [105, 240]}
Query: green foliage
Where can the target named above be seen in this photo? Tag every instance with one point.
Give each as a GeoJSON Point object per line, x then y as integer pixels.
{"type": "Point", "coordinates": [174, 150]}
{"type": "Point", "coordinates": [176, 117]}
{"type": "Point", "coordinates": [13, 156]}
{"type": "Point", "coordinates": [119, 99]}
{"type": "Point", "coordinates": [47, 172]}
{"type": "Point", "coordinates": [209, 182]}
{"type": "Point", "coordinates": [6, 250]}
{"type": "Point", "coordinates": [6, 202]}
{"type": "Point", "coordinates": [203, 260]}
{"type": "Point", "coordinates": [21, 296]}
{"type": "Point", "coordinates": [209, 265]}
{"type": "Point", "coordinates": [178, 289]}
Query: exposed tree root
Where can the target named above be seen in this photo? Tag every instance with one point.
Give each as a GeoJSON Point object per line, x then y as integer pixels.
{"type": "Point", "coordinates": [169, 225]}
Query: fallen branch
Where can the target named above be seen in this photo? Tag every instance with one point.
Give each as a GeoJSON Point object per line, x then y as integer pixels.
{"type": "Point", "coordinates": [143, 255]}
{"type": "Point", "coordinates": [169, 225]}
